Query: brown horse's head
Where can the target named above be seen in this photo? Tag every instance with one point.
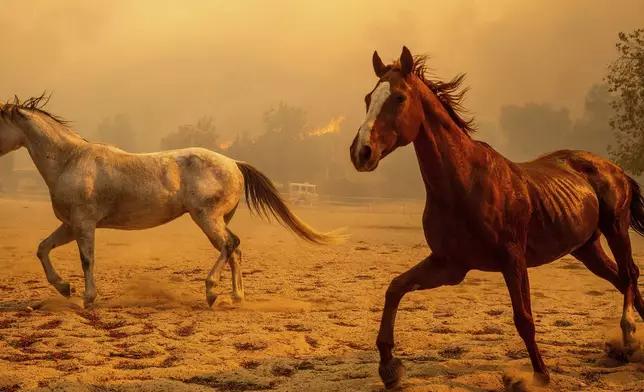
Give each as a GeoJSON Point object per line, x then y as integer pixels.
{"type": "Point", "coordinates": [394, 113]}
{"type": "Point", "coordinates": [403, 98]}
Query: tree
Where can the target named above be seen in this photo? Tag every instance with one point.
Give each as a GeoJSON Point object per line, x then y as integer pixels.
{"type": "Point", "coordinates": [626, 79]}
{"type": "Point", "coordinates": [200, 134]}
{"type": "Point", "coordinates": [278, 150]}
{"type": "Point", "coordinates": [118, 131]}
{"type": "Point", "coordinates": [241, 147]}
{"type": "Point", "coordinates": [534, 129]}
{"type": "Point", "coordinates": [592, 131]}
{"type": "Point", "coordinates": [287, 121]}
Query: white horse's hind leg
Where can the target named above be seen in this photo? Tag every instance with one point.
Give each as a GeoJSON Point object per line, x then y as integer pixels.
{"type": "Point", "coordinates": [235, 262]}
{"type": "Point", "coordinates": [61, 236]}
{"type": "Point", "coordinates": [85, 240]}
{"type": "Point", "coordinates": [223, 240]}
{"type": "Point", "coordinates": [235, 270]}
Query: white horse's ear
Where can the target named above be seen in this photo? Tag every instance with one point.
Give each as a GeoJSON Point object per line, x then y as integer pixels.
{"type": "Point", "coordinates": [406, 61]}
{"type": "Point", "coordinates": [378, 66]}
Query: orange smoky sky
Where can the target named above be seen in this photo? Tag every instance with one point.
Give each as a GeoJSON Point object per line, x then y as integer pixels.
{"type": "Point", "coordinates": [168, 63]}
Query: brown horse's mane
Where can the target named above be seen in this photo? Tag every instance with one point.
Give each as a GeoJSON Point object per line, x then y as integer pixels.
{"type": "Point", "coordinates": [35, 104]}
{"type": "Point", "coordinates": [451, 93]}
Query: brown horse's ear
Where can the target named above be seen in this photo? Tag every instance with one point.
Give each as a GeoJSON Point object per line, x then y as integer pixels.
{"type": "Point", "coordinates": [378, 66]}
{"type": "Point", "coordinates": [406, 61]}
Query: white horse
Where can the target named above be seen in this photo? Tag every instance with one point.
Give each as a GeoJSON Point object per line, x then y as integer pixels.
{"type": "Point", "coordinates": [94, 185]}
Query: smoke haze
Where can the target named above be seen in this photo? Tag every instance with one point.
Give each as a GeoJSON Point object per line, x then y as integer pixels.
{"type": "Point", "coordinates": [166, 64]}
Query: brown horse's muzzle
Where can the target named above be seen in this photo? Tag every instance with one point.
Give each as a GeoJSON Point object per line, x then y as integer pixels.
{"type": "Point", "coordinates": [363, 156]}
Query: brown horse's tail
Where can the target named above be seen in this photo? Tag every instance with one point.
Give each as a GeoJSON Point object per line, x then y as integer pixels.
{"type": "Point", "coordinates": [636, 207]}
{"type": "Point", "coordinates": [266, 201]}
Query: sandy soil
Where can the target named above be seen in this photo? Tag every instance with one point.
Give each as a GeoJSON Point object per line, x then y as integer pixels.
{"type": "Point", "coordinates": [309, 322]}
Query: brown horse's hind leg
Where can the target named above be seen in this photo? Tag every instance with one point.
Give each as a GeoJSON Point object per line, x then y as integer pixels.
{"type": "Point", "coordinates": [516, 278]}
{"type": "Point", "coordinates": [597, 261]}
{"type": "Point", "coordinates": [430, 273]}
{"type": "Point", "coordinates": [620, 245]}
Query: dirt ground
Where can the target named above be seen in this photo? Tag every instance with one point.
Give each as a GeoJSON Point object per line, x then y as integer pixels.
{"type": "Point", "coordinates": [310, 318]}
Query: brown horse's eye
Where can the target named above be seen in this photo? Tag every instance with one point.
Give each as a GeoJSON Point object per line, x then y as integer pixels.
{"type": "Point", "coordinates": [400, 99]}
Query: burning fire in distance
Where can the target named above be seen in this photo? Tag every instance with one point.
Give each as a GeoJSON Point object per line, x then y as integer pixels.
{"type": "Point", "coordinates": [226, 145]}
{"type": "Point", "coordinates": [332, 127]}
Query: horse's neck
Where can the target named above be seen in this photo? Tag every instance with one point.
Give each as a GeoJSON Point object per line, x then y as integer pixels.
{"type": "Point", "coordinates": [444, 154]}
{"type": "Point", "coordinates": [49, 144]}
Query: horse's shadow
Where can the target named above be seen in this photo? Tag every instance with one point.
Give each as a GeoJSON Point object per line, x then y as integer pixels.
{"type": "Point", "coordinates": [153, 302]}
{"type": "Point", "coordinates": [55, 304]}
{"type": "Point", "coordinates": [15, 305]}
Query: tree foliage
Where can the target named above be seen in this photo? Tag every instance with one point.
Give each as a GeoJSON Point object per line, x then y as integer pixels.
{"type": "Point", "coordinates": [287, 151]}
{"type": "Point", "coordinates": [535, 129]}
{"type": "Point", "coordinates": [200, 134]}
{"type": "Point", "coordinates": [241, 147]}
{"type": "Point", "coordinates": [284, 121]}
{"type": "Point", "coordinates": [592, 131]}
{"type": "Point", "coordinates": [626, 79]}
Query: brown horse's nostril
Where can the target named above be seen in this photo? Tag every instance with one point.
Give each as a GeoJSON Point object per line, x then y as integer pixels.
{"type": "Point", "coordinates": [365, 154]}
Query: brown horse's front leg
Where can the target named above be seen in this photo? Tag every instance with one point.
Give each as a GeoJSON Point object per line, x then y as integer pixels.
{"type": "Point", "coordinates": [430, 273]}
{"type": "Point", "coordinates": [515, 274]}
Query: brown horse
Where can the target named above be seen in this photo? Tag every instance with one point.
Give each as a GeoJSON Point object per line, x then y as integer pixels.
{"type": "Point", "coordinates": [484, 212]}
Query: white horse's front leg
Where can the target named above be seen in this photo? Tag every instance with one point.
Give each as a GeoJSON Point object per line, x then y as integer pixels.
{"type": "Point", "coordinates": [85, 240]}
{"type": "Point", "coordinates": [61, 236]}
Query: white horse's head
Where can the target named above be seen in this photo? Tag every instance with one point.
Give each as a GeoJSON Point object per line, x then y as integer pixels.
{"type": "Point", "coordinates": [17, 116]}
{"type": "Point", "coordinates": [11, 135]}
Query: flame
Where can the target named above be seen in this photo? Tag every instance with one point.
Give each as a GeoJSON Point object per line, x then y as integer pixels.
{"type": "Point", "coordinates": [332, 127]}
{"type": "Point", "coordinates": [226, 145]}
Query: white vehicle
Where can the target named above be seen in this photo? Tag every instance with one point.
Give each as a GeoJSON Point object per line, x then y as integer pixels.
{"type": "Point", "coordinates": [303, 193]}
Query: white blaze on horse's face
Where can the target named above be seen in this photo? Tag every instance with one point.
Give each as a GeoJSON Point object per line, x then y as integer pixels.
{"type": "Point", "coordinates": [378, 99]}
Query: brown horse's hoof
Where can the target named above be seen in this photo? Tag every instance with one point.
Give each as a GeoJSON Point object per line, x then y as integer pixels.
{"type": "Point", "coordinates": [541, 379]}
{"type": "Point", "coordinates": [391, 373]}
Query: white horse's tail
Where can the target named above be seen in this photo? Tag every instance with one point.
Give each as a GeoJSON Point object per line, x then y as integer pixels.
{"type": "Point", "coordinates": [265, 200]}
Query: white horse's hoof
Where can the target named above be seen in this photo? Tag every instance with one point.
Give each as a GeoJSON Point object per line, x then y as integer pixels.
{"type": "Point", "coordinates": [211, 298]}
{"type": "Point", "coordinates": [64, 289]}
